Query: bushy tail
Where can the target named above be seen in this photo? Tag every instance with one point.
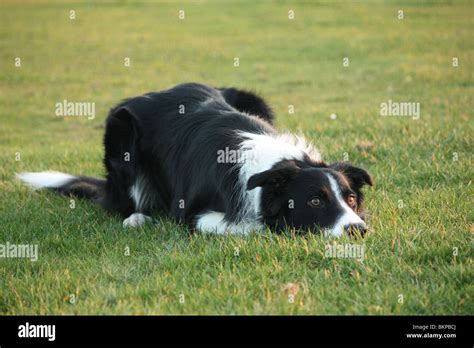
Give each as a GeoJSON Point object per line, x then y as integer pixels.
{"type": "Point", "coordinates": [66, 184]}
{"type": "Point", "coordinates": [249, 102]}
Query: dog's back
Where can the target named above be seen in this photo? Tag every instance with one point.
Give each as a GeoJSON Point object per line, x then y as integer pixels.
{"type": "Point", "coordinates": [180, 131]}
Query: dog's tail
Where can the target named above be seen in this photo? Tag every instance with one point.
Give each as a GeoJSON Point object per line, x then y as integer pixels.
{"type": "Point", "coordinates": [66, 184]}
{"type": "Point", "coordinates": [249, 102]}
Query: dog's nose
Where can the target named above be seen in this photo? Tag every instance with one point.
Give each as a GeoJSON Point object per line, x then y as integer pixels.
{"type": "Point", "coordinates": [354, 229]}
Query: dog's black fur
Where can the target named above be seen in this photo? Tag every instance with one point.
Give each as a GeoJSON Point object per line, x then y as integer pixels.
{"type": "Point", "coordinates": [178, 150]}
{"type": "Point", "coordinates": [167, 141]}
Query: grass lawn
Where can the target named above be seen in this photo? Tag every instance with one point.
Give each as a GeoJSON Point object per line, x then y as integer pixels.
{"type": "Point", "coordinates": [419, 247]}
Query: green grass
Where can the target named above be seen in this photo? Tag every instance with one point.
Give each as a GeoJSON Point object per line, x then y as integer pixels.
{"type": "Point", "coordinates": [409, 250]}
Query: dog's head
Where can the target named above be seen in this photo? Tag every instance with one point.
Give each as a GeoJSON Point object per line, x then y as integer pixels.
{"type": "Point", "coordinates": [305, 197]}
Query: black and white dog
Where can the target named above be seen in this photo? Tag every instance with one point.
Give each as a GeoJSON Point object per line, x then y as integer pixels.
{"type": "Point", "coordinates": [210, 158]}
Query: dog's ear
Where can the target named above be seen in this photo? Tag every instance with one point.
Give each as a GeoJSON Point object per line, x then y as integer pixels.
{"type": "Point", "coordinates": [276, 178]}
{"type": "Point", "coordinates": [357, 176]}
{"type": "Point", "coordinates": [276, 183]}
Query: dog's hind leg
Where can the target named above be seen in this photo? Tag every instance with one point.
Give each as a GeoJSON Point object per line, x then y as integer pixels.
{"type": "Point", "coordinates": [123, 195]}
{"type": "Point", "coordinates": [143, 201]}
{"type": "Point", "coordinates": [136, 220]}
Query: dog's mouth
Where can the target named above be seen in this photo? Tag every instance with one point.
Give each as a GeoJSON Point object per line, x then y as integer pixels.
{"type": "Point", "coordinates": [355, 231]}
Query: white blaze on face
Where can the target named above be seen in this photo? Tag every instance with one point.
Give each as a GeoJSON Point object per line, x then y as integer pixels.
{"type": "Point", "coordinates": [348, 216]}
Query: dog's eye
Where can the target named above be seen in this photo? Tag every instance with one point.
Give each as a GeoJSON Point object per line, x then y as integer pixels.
{"type": "Point", "coordinates": [351, 199]}
{"type": "Point", "coordinates": [314, 202]}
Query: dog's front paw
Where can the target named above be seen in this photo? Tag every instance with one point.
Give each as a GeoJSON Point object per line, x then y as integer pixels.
{"type": "Point", "coordinates": [136, 220]}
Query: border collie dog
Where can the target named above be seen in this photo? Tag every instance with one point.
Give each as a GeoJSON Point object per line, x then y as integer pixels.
{"type": "Point", "coordinates": [210, 158]}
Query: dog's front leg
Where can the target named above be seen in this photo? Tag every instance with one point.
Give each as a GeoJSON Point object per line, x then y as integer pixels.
{"type": "Point", "coordinates": [215, 222]}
